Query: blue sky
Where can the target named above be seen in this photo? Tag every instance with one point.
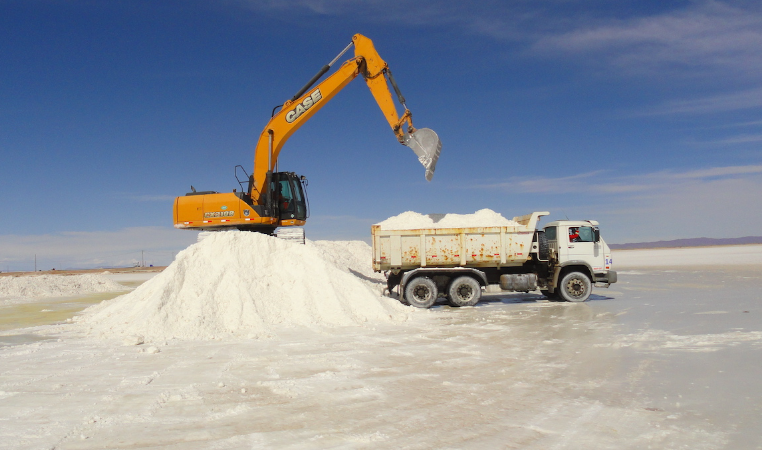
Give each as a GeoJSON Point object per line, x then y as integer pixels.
{"type": "Point", "coordinates": [644, 115]}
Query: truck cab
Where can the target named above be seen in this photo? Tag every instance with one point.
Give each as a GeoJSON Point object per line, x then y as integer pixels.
{"type": "Point", "coordinates": [577, 246]}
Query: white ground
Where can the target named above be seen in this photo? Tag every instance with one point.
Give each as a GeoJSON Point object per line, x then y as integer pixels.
{"type": "Point", "coordinates": [667, 358]}
{"type": "Point", "coordinates": [28, 289]}
{"type": "Point", "coordinates": [691, 256]}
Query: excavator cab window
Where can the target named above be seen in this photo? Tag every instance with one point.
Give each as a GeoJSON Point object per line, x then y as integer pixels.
{"type": "Point", "coordinates": [285, 197]}
{"type": "Point", "coordinates": [289, 196]}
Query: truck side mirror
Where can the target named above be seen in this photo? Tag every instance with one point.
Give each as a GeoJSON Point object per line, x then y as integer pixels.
{"type": "Point", "coordinates": [596, 235]}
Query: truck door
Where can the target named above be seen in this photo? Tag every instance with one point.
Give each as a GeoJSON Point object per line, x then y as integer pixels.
{"type": "Point", "coordinates": [581, 246]}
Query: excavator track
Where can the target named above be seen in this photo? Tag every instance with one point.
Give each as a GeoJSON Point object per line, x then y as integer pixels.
{"type": "Point", "coordinates": [293, 234]}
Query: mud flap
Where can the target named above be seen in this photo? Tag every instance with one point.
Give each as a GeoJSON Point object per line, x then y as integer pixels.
{"type": "Point", "coordinates": [427, 146]}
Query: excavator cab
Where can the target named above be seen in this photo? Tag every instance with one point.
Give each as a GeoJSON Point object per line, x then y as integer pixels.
{"type": "Point", "coordinates": [289, 197]}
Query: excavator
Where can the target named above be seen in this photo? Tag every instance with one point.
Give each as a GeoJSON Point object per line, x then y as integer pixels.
{"type": "Point", "coordinates": [272, 199]}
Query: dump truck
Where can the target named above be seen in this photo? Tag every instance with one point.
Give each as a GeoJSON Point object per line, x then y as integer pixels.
{"type": "Point", "coordinates": [564, 260]}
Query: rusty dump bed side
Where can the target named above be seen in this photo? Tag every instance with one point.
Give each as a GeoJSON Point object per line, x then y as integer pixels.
{"type": "Point", "coordinates": [454, 247]}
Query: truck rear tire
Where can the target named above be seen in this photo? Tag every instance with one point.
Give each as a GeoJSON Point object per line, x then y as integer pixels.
{"type": "Point", "coordinates": [574, 287]}
{"type": "Point", "coordinates": [421, 292]}
{"type": "Point", "coordinates": [464, 291]}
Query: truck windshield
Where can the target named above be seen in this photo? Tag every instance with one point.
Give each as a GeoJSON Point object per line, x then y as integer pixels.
{"type": "Point", "coordinates": [581, 234]}
{"type": "Point", "coordinates": [550, 233]}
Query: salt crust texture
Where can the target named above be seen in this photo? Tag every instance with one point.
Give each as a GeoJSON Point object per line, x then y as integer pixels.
{"type": "Point", "coordinates": [248, 285]}
{"type": "Point", "coordinates": [415, 221]}
{"type": "Point", "coordinates": [13, 289]}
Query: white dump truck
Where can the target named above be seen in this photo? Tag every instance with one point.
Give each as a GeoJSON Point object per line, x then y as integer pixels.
{"type": "Point", "coordinates": [564, 260]}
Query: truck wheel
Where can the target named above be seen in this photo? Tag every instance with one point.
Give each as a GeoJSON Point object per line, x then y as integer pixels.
{"type": "Point", "coordinates": [421, 292]}
{"type": "Point", "coordinates": [574, 287]}
{"type": "Point", "coordinates": [464, 291]}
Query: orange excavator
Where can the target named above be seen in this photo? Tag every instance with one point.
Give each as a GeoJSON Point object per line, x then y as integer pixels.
{"type": "Point", "coordinates": [270, 199]}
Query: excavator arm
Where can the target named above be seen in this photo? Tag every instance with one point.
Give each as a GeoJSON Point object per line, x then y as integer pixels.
{"type": "Point", "coordinates": [308, 101]}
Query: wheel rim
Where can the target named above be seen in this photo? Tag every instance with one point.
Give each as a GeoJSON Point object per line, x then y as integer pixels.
{"type": "Point", "coordinates": [575, 288]}
{"type": "Point", "coordinates": [465, 292]}
{"type": "Point", "coordinates": [421, 293]}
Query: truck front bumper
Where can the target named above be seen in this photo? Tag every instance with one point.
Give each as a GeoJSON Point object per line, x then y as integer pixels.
{"type": "Point", "coordinates": [606, 278]}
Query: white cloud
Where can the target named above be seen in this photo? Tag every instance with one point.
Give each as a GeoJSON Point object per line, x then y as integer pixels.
{"type": "Point", "coordinates": [741, 139]}
{"type": "Point", "coordinates": [373, 11]}
{"type": "Point", "coordinates": [746, 124]}
{"type": "Point", "coordinates": [78, 249]}
{"type": "Point", "coordinates": [727, 207]}
{"type": "Point", "coordinates": [706, 34]}
{"type": "Point", "coordinates": [122, 248]}
{"type": "Point", "coordinates": [541, 185]}
{"type": "Point", "coordinates": [717, 172]}
{"type": "Point", "coordinates": [711, 202]}
{"type": "Point", "coordinates": [151, 198]}
{"type": "Point", "coordinates": [733, 101]}
{"type": "Point", "coordinates": [602, 182]}
{"type": "Point", "coordinates": [709, 34]}
{"type": "Point", "coordinates": [339, 228]}
{"type": "Point", "coordinates": [717, 43]}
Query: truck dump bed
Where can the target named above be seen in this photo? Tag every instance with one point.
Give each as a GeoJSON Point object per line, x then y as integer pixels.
{"type": "Point", "coordinates": [454, 247]}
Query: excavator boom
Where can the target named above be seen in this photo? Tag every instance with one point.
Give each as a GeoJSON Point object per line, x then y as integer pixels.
{"type": "Point", "coordinates": [297, 111]}
{"type": "Point", "coordinates": [261, 206]}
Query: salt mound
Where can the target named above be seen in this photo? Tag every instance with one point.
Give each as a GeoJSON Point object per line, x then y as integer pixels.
{"type": "Point", "coordinates": [244, 284]}
{"type": "Point", "coordinates": [38, 286]}
{"type": "Point", "coordinates": [355, 257]}
{"type": "Point", "coordinates": [415, 221]}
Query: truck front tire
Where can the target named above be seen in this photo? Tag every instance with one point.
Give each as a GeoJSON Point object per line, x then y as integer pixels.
{"type": "Point", "coordinates": [574, 287]}
{"type": "Point", "coordinates": [421, 292]}
{"type": "Point", "coordinates": [464, 291]}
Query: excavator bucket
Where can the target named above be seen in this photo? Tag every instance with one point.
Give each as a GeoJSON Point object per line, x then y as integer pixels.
{"type": "Point", "coordinates": [427, 146]}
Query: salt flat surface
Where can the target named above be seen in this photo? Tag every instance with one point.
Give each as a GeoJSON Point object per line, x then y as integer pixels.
{"type": "Point", "coordinates": [130, 277]}
{"type": "Point", "coordinates": [690, 256]}
{"type": "Point", "coordinates": [24, 289]}
{"type": "Point", "coordinates": [243, 284]}
{"type": "Point", "coordinates": [415, 221]}
{"type": "Point", "coordinates": [666, 358]}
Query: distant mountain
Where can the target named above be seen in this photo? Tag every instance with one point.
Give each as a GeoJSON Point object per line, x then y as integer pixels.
{"type": "Point", "coordinates": [694, 242]}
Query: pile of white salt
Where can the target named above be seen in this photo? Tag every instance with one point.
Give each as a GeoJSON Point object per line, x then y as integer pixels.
{"type": "Point", "coordinates": [242, 284]}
